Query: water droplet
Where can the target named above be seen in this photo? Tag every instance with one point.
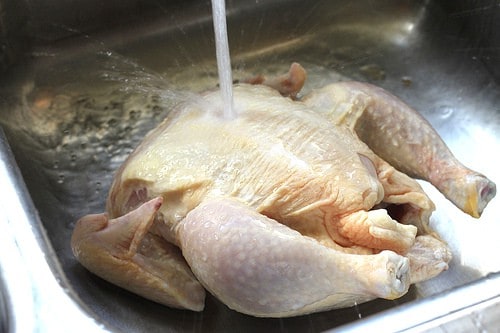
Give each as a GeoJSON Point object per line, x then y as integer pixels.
{"type": "Point", "coordinates": [406, 80]}
{"type": "Point", "coordinates": [445, 112]}
{"type": "Point", "coordinates": [60, 178]}
{"type": "Point", "coordinates": [112, 122]}
{"type": "Point", "coordinates": [134, 114]}
{"type": "Point", "coordinates": [98, 187]}
{"type": "Point", "coordinates": [72, 159]}
{"type": "Point", "coordinates": [156, 110]}
{"type": "Point", "coordinates": [356, 308]}
{"type": "Point", "coordinates": [373, 72]}
{"type": "Point", "coordinates": [395, 142]}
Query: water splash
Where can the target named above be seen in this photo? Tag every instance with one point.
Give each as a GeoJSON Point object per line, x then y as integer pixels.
{"type": "Point", "coordinates": [356, 308]}
{"type": "Point", "coordinates": [223, 57]}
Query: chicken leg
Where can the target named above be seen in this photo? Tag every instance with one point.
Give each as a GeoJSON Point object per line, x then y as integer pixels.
{"type": "Point", "coordinates": [258, 266]}
{"type": "Point", "coordinates": [402, 137]}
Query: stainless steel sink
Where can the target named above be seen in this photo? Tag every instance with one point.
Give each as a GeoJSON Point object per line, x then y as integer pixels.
{"type": "Point", "coordinates": [80, 85]}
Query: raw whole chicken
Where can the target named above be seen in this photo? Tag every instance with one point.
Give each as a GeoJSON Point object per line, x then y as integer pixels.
{"type": "Point", "coordinates": [283, 210]}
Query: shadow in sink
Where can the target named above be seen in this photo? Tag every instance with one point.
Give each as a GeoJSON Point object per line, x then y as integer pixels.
{"type": "Point", "coordinates": [75, 112]}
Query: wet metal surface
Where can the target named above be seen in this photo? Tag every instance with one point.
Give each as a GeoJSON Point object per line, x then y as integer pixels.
{"type": "Point", "coordinates": [81, 101]}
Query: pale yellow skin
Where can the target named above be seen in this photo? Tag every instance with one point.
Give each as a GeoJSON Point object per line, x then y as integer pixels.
{"type": "Point", "coordinates": [277, 212]}
{"type": "Point", "coordinates": [278, 157]}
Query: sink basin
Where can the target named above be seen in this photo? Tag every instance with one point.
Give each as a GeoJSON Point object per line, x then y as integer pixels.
{"type": "Point", "coordinates": [82, 84]}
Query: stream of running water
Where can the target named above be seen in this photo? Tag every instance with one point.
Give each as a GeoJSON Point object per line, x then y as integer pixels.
{"type": "Point", "coordinates": [223, 57]}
